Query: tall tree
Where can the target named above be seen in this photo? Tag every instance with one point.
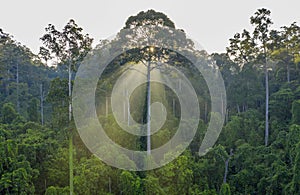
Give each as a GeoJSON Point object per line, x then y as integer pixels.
{"type": "Point", "coordinates": [149, 55]}
{"type": "Point", "coordinates": [14, 61]}
{"type": "Point", "coordinates": [262, 21]}
{"type": "Point", "coordinates": [285, 47]}
{"type": "Point", "coordinates": [243, 52]}
{"type": "Point", "coordinates": [291, 37]}
{"type": "Point", "coordinates": [242, 48]}
{"type": "Point", "coordinates": [68, 47]}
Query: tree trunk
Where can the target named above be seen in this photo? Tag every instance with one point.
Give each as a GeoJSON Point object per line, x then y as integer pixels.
{"type": "Point", "coordinates": [71, 132]}
{"type": "Point", "coordinates": [42, 103]}
{"type": "Point", "coordinates": [71, 162]}
{"type": "Point", "coordinates": [128, 108]}
{"type": "Point", "coordinates": [124, 110]}
{"type": "Point", "coordinates": [238, 108]}
{"type": "Point", "coordinates": [106, 106]}
{"type": "Point", "coordinates": [7, 83]}
{"type": "Point", "coordinates": [226, 166]}
{"type": "Point", "coordinates": [227, 116]}
{"type": "Point", "coordinates": [148, 109]}
{"type": "Point", "coordinates": [205, 112]}
{"type": "Point", "coordinates": [288, 72]}
{"type": "Point", "coordinates": [18, 101]}
{"type": "Point", "coordinates": [179, 83]}
{"type": "Point", "coordinates": [109, 185]}
{"type": "Point", "coordinates": [288, 67]}
{"type": "Point", "coordinates": [222, 104]}
{"type": "Point", "coordinates": [174, 108]}
{"type": "Point", "coordinates": [267, 105]}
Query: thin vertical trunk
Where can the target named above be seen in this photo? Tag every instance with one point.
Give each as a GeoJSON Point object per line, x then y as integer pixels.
{"type": "Point", "coordinates": [288, 67]}
{"type": "Point", "coordinates": [226, 116]}
{"type": "Point", "coordinates": [179, 83]}
{"type": "Point", "coordinates": [205, 112]}
{"type": "Point", "coordinates": [71, 162]}
{"type": "Point", "coordinates": [267, 104]}
{"type": "Point", "coordinates": [45, 185]}
{"type": "Point", "coordinates": [106, 107]}
{"type": "Point", "coordinates": [174, 108]}
{"type": "Point", "coordinates": [226, 166]}
{"type": "Point", "coordinates": [124, 110]}
{"type": "Point", "coordinates": [7, 83]}
{"type": "Point", "coordinates": [71, 132]}
{"type": "Point", "coordinates": [128, 108]}
{"type": "Point", "coordinates": [222, 104]}
{"type": "Point", "coordinates": [18, 101]}
{"type": "Point", "coordinates": [288, 72]}
{"type": "Point", "coordinates": [109, 185]}
{"type": "Point", "coordinates": [70, 92]}
{"type": "Point", "coordinates": [148, 109]}
{"type": "Point", "coordinates": [42, 103]}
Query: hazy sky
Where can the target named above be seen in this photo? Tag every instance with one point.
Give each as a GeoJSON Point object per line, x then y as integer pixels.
{"type": "Point", "coordinates": [211, 22]}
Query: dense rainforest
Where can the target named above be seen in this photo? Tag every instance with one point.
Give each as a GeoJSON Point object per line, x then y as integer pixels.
{"type": "Point", "coordinates": [257, 152]}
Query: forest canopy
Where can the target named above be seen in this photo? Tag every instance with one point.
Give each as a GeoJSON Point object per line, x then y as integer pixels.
{"type": "Point", "coordinates": [257, 152]}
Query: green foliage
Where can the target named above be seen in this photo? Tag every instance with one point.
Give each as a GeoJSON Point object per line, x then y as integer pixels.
{"type": "Point", "coordinates": [15, 171]}
{"type": "Point", "coordinates": [57, 168]}
{"type": "Point", "coordinates": [296, 172]}
{"type": "Point", "coordinates": [152, 185]}
{"type": "Point", "coordinates": [58, 97]}
{"type": "Point", "coordinates": [34, 158]}
{"type": "Point", "coordinates": [33, 114]}
{"type": "Point", "coordinates": [130, 183]}
{"type": "Point", "coordinates": [296, 112]}
{"type": "Point", "coordinates": [57, 191]}
{"type": "Point", "coordinates": [225, 189]}
{"type": "Point", "coordinates": [245, 127]}
{"type": "Point", "coordinates": [281, 104]}
{"type": "Point", "coordinates": [70, 45]}
{"type": "Point", "coordinates": [8, 113]}
{"type": "Point", "coordinates": [92, 177]}
{"type": "Point", "coordinates": [150, 17]}
{"type": "Point", "coordinates": [176, 177]}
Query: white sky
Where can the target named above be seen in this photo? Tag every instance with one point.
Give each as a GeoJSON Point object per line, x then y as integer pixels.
{"type": "Point", "coordinates": [209, 22]}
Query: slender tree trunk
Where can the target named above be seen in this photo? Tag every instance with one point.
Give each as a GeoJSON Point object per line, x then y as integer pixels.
{"type": "Point", "coordinates": [109, 185]}
{"type": "Point", "coordinates": [148, 109]}
{"type": "Point", "coordinates": [174, 107]}
{"type": "Point", "coordinates": [226, 166]}
{"type": "Point", "coordinates": [222, 104]}
{"type": "Point", "coordinates": [227, 116]}
{"type": "Point", "coordinates": [267, 104]}
{"type": "Point", "coordinates": [288, 72]}
{"type": "Point", "coordinates": [124, 110]}
{"type": "Point", "coordinates": [205, 112]}
{"type": "Point", "coordinates": [70, 92]}
{"type": "Point", "coordinates": [106, 107]}
{"type": "Point", "coordinates": [179, 83]}
{"type": "Point", "coordinates": [71, 162]}
{"type": "Point", "coordinates": [71, 132]}
{"type": "Point", "coordinates": [128, 108]}
{"type": "Point", "coordinates": [45, 183]}
{"type": "Point", "coordinates": [238, 108]}
{"type": "Point", "coordinates": [18, 101]}
{"type": "Point", "coordinates": [7, 83]}
{"type": "Point", "coordinates": [288, 67]}
{"type": "Point", "coordinates": [42, 103]}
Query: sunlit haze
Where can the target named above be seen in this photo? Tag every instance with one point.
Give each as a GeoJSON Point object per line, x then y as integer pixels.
{"type": "Point", "coordinates": [211, 23]}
